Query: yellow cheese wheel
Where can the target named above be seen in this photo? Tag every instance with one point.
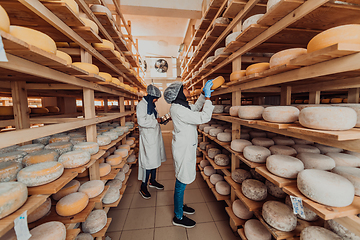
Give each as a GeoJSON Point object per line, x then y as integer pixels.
{"type": "Point", "coordinates": [101, 160]}
{"type": "Point", "coordinates": [73, 45]}
{"type": "Point", "coordinates": [39, 110]}
{"type": "Point", "coordinates": [72, 204]}
{"type": "Point", "coordinates": [40, 212]}
{"type": "Point", "coordinates": [6, 111]}
{"type": "Point", "coordinates": [74, 159]}
{"type": "Point", "coordinates": [284, 57]}
{"type": "Point", "coordinates": [64, 56]}
{"type": "Point", "coordinates": [105, 44]}
{"type": "Point", "coordinates": [114, 160]}
{"type": "Point", "coordinates": [125, 146]}
{"type": "Point", "coordinates": [122, 152]}
{"type": "Point", "coordinates": [9, 170]}
{"type": "Point", "coordinates": [62, 45]}
{"type": "Point", "coordinates": [91, 24]}
{"type": "Point", "coordinates": [69, 188]}
{"type": "Point", "coordinates": [117, 53]}
{"type": "Point", "coordinates": [92, 188]}
{"type": "Point", "coordinates": [39, 157]}
{"type": "Point", "coordinates": [217, 82]}
{"type": "Point", "coordinates": [104, 169]}
{"type": "Point", "coordinates": [336, 100]}
{"type": "Point", "coordinates": [34, 37]}
{"type": "Point", "coordinates": [90, 68]}
{"type": "Point", "coordinates": [257, 68]}
{"type": "Point", "coordinates": [4, 20]}
{"type": "Point", "coordinates": [115, 81]}
{"type": "Point", "coordinates": [53, 109]}
{"type": "Point", "coordinates": [59, 138]}
{"type": "Point", "coordinates": [73, 5]}
{"type": "Point", "coordinates": [325, 100]}
{"type": "Point", "coordinates": [50, 230]}
{"type": "Point", "coordinates": [341, 34]}
{"type": "Point", "coordinates": [299, 101]}
{"type": "Point", "coordinates": [237, 74]}
{"type": "Point", "coordinates": [12, 196]}
{"type": "Point", "coordinates": [29, 148]}
{"type": "Point", "coordinates": [41, 173]}
{"type": "Point", "coordinates": [106, 76]}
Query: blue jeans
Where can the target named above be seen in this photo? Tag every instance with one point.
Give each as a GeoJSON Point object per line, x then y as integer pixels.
{"type": "Point", "coordinates": [179, 199]}
{"type": "Point", "coordinates": [147, 175]}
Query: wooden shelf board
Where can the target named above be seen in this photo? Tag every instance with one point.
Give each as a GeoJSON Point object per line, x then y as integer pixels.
{"type": "Point", "coordinates": [278, 181]}
{"type": "Point", "coordinates": [325, 212]}
{"type": "Point", "coordinates": [233, 46]}
{"type": "Point", "coordinates": [241, 233]}
{"type": "Point", "coordinates": [132, 163]}
{"type": "Point", "coordinates": [250, 204]}
{"type": "Point", "coordinates": [102, 232]}
{"type": "Point", "coordinates": [64, 12]}
{"type": "Point", "coordinates": [346, 135]}
{"type": "Point", "coordinates": [70, 69]}
{"type": "Point", "coordinates": [114, 204]}
{"type": "Point", "coordinates": [214, 165]}
{"type": "Point", "coordinates": [238, 221]}
{"type": "Point", "coordinates": [111, 175]}
{"type": "Point", "coordinates": [211, 12]}
{"type": "Point", "coordinates": [200, 168]}
{"type": "Point", "coordinates": [54, 186]}
{"type": "Point", "coordinates": [98, 199]}
{"type": "Point", "coordinates": [72, 233]}
{"type": "Point", "coordinates": [218, 196]}
{"type": "Point", "coordinates": [119, 165]}
{"type": "Point", "coordinates": [110, 85]}
{"type": "Point", "coordinates": [204, 24]}
{"type": "Point", "coordinates": [203, 175]}
{"type": "Point", "coordinates": [276, 125]}
{"type": "Point", "coordinates": [93, 159]}
{"type": "Point", "coordinates": [232, 183]}
{"type": "Point", "coordinates": [235, 6]}
{"type": "Point", "coordinates": [114, 142]}
{"type": "Point", "coordinates": [207, 180]}
{"type": "Point", "coordinates": [91, 78]}
{"type": "Point", "coordinates": [251, 32]}
{"type": "Point", "coordinates": [31, 204]}
{"type": "Point", "coordinates": [107, 23]}
{"type": "Point", "coordinates": [217, 30]}
{"type": "Point", "coordinates": [123, 188]}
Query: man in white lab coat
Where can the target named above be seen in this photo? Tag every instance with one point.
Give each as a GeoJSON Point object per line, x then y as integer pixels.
{"type": "Point", "coordinates": [185, 118]}
{"type": "Point", "coordinates": [151, 144]}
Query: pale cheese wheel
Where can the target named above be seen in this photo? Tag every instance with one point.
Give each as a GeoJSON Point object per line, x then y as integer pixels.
{"type": "Point", "coordinates": [9, 170]}
{"type": "Point", "coordinates": [122, 152]}
{"type": "Point", "coordinates": [240, 175]}
{"type": "Point", "coordinates": [71, 187]}
{"type": "Point", "coordinates": [281, 114]}
{"type": "Point", "coordinates": [50, 230]}
{"type": "Point", "coordinates": [326, 188]}
{"type": "Point", "coordinates": [251, 20]}
{"type": "Point", "coordinates": [279, 216]}
{"type": "Point", "coordinates": [76, 134]}
{"type": "Point", "coordinates": [309, 214]}
{"type": "Point", "coordinates": [202, 126]}
{"type": "Point", "coordinates": [263, 142]}
{"type": "Point", "coordinates": [231, 37]}
{"type": "Point", "coordinates": [4, 20]}
{"type": "Point", "coordinates": [8, 149]}
{"type": "Point", "coordinates": [340, 34]}
{"type": "Point", "coordinates": [302, 141]}
{"type": "Point", "coordinates": [284, 57]}
{"type": "Point", "coordinates": [90, 147]}
{"type": "Point", "coordinates": [60, 147]}
{"type": "Point", "coordinates": [214, 178]}
{"type": "Point", "coordinates": [125, 169]}
{"type": "Point", "coordinates": [91, 24]}
{"type": "Point", "coordinates": [129, 142]}
{"type": "Point", "coordinates": [209, 170]}
{"type": "Point", "coordinates": [280, 140]}
{"type": "Point", "coordinates": [39, 110]}
{"type": "Point", "coordinates": [111, 196]}
{"type": "Point", "coordinates": [39, 157]}
{"type": "Point", "coordinates": [284, 166]}
{"type": "Point", "coordinates": [238, 145]}
{"type": "Point", "coordinates": [120, 176]}
{"type": "Point", "coordinates": [125, 146]}
{"type": "Point", "coordinates": [257, 134]}
{"type": "Point", "coordinates": [305, 148]}
{"type": "Point", "coordinates": [356, 108]}
{"type": "Point", "coordinates": [212, 152]}
{"type": "Point", "coordinates": [327, 149]}
{"type": "Point", "coordinates": [204, 163]}
{"type": "Point", "coordinates": [256, 154]}
{"type": "Point", "coordinates": [104, 169]}
{"type": "Point", "coordinates": [282, 150]}
{"type": "Point", "coordinates": [352, 174]}
{"type": "Point", "coordinates": [16, 156]}
{"type": "Point", "coordinates": [250, 112]}
{"type": "Point", "coordinates": [101, 9]}
{"type": "Point", "coordinates": [105, 44]}
{"type": "Point", "coordinates": [234, 111]}
{"type": "Point", "coordinates": [255, 230]}
{"type": "Point", "coordinates": [222, 188]}
{"type": "Point", "coordinates": [343, 159]}
{"type": "Point", "coordinates": [234, 76]}
{"type": "Point", "coordinates": [254, 189]}
{"type": "Point", "coordinates": [207, 129]}
{"type": "Point", "coordinates": [316, 161]}
{"type": "Point", "coordinates": [222, 160]}
{"type": "Point", "coordinates": [103, 140]}
{"type": "Point", "coordinates": [240, 210]}
{"type": "Point", "coordinates": [220, 51]}
{"type": "Point", "coordinates": [271, 3]}
{"type": "Point", "coordinates": [214, 131]}
{"type": "Point", "coordinates": [72, 204]}
{"type": "Point", "coordinates": [318, 233]}
{"type": "Point", "coordinates": [84, 236]}
{"type": "Point", "coordinates": [353, 153]}
{"type": "Point", "coordinates": [65, 57]}
{"type": "Point", "coordinates": [224, 136]}
{"type": "Point", "coordinates": [257, 68]}
{"type": "Point", "coordinates": [115, 183]}
{"type": "Point", "coordinates": [88, 67]}
{"type": "Point", "coordinates": [340, 230]}
{"type": "Point", "coordinates": [12, 196]}
{"type": "Point", "coordinates": [328, 118]}
{"type": "Point", "coordinates": [92, 188]}
{"type": "Point", "coordinates": [114, 160]}
{"type": "Point", "coordinates": [106, 76]}
{"type": "Point", "coordinates": [76, 140]}
{"type": "Point", "coordinates": [34, 37]}
{"type": "Point", "coordinates": [202, 145]}
{"type": "Point", "coordinates": [29, 148]}
{"type": "Point", "coordinates": [274, 190]}
{"type": "Point", "coordinates": [218, 109]}
{"type": "Point", "coordinates": [131, 158]}
{"type": "Point", "coordinates": [74, 159]}
{"type": "Point", "coordinates": [96, 221]}
{"type": "Point", "coordinates": [40, 173]}
{"type": "Point", "coordinates": [40, 212]}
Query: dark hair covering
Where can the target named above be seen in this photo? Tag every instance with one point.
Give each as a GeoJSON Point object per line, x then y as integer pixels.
{"type": "Point", "coordinates": [181, 99]}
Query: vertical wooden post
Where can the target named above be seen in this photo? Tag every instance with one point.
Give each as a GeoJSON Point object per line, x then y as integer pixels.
{"type": "Point", "coordinates": [106, 106]}
{"type": "Point", "coordinates": [285, 97]}
{"type": "Point", "coordinates": [314, 97]}
{"type": "Point", "coordinates": [133, 109]}
{"type": "Point", "coordinates": [122, 109]}
{"type": "Point", "coordinates": [20, 104]}
{"type": "Point", "coordinates": [85, 56]}
{"type": "Point", "coordinates": [353, 95]}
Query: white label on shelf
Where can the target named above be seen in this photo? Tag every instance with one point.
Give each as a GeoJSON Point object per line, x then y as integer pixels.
{"type": "Point", "coordinates": [21, 227]}
{"type": "Point", "coordinates": [298, 207]}
{"type": "Point", "coordinates": [3, 57]}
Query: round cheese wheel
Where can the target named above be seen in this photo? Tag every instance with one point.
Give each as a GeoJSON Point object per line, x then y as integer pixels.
{"type": "Point", "coordinates": [40, 173]}
{"type": "Point", "coordinates": [254, 189]}
{"type": "Point", "coordinates": [34, 37]}
{"type": "Point", "coordinates": [341, 34]}
{"type": "Point", "coordinates": [114, 160]}
{"type": "Point", "coordinates": [281, 114]}
{"type": "Point", "coordinates": [231, 37]}
{"type": "Point", "coordinates": [218, 109]}
{"type": "Point", "coordinates": [214, 178]}
{"type": "Point", "coordinates": [202, 145]}
{"type": "Point", "coordinates": [251, 20]}
{"type": "Point", "coordinates": [214, 131]}
{"type": "Point", "coordinates": [222, 188]}
{"type": "Point", "coordinates": [327, 149]}
{"type": "Point", "coordinates": [257, 68]}
{"type": "Point", "coordinates": [91, 24]}
{"type": "Point", "coordinates": [250, 112]}
{"type": "Point", "coordinates": [124, 146]}
{"type": "Point", "coordinates": [202, 126]}
{"type": "Point", "coordinates": [257, 134]}
{"type": "Point", "coordinates": [284, 166]}
{"type": "Point", "coordinates": [111, 196]}
{"type": "Point", "coordinates": [224, 137]}
{"type": "Point", "coordinates": [209, 170]}
{"type": "Point", "coordinates": [72, 204]}
{"type": "Point", "coordinates": [39, 110]}
{"type": "Point", "coordinates": [217, 82]}
{"type": "Point", "coordinates": [284, 57]}
{"type": "Point", "coordinates": [122, 152]}
{"type": "Point", "coordinates": [220, 51]}
{"type": "Point", "coordinates": [204, 163]}
{"type": "Point", "coordinates": [318, 233]}
{"type": "Point", "coordinates": [90, 147]}
{"type": "Point", "coordinates": [302, 141]}
{"type": "Point", "coordinates": [9, 170]}
{"type": "Point", "coordinates": [325, 187]}
{"type": "Point", "coordinates": [270, 4]}
{"type": "Point", "coordinates": [255, 230]}
{"type": "Point", "coordinates": [4, 20]}
{"type": "Point", "coordinates": [316, 161]}
{"type": "Point", "coordinates": [280, 140]}
{"type": "Point", "coordinates": [343, 159]}
{"type": "Point", "coordinates": [234, 76]}
{"type": "Point", "coordinates": [256, 153]}
{"type": "Point", "coordinates": [29, 148]}
{"type": "Point", "coordinates": [53, 109]}
{"type": "Point", "coordinates": [120, 176]}
{"type": "Point", "coordinates": [263, 142]}
{"type": "Point", "coordinates": [8, 149]}
{"type": "Point", "coordinates": [106, 76]}
{"type": "Point", "coordinates": [125, 169]}
{"type": "Point", "coordinates": [105, 44]}
{"type": "Point", "coordinates": [103, 140]}
{"type": "Point", "coordinates": [240, 175]}
{"type": "Point", "coordinates": [104, 169]}
{"type": "Point", "coordinates": [84, 236]}
{"type": "Point", "coordinates": [116, 81]}
{"type": "Point", "coordinates": [328, 118]}
{"type": "Point", "coordinates": [129, 142]}
{"type": "Point", "coordinates": [131, 158]}
{"type": "Point", "coordinates": [305, 148]}
{"type": "Point", "coordinates": [50, 230]}
{"type": "Point", "coordinates": [102, 9]}
{"type": "Point", "coordinates": [257, 175]}
{"type": "Point", "coordinates": [240, 210]}
{"type": "Point", "coordinates": [88, 67]}
{"type": "Point", "coordinates": [238, 145]}
{"type": "Point", "coordinates": [71, 187]}
{"type": "Point", "coordinates": [60, 147]}
{"type": "Point", "coordinates": [340, 230]}
{"type": "Point", "coordinates": [356, 108]}
{"type": "Point", "coordinates": [234, 111]}
{"type": "Point", "coordinates": [352, 174]}
{"type": "Point", "coordinates": [16, 156]}
{"type": "Point", "coordinates": [40, 212]}
{"type": "Point", "coordinates": [222, 160]}
{"type": "Point", "coordinates": [96, 221]}
{"type": "Point", "coordinates": [40, 156]}
{"type": "Point", "coordinates": [309, 215]}
{"type": "Point", "coordinates": [12, 196]}
{"type": "Point", "coordinates": [207, 129]}
{"type": "Point", "coordinates": [92, 188]}
{"type": "Point", "coordinates": [65, 57]}
{"type": "Point", "coordinates": [353, 153]}
{"type": "Point", "coordinates": [116, 183]}
{"type": "Point", "coordinates": [72, 5]}
{"type": "Point", "coordinates": [74, 159]}
{"type": "Point", "coordinates": [274, 190]}
{"type": "Point", "coordinates": [282, 150]}
{"type": "Point", "coordinates": [279, 216]}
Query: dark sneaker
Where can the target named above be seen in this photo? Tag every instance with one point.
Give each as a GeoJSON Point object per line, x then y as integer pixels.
{"type": "Point", "coordinates": [144, 192]}
{"type": "Point", "coordinates": [184, 222]}
{"type": "Point", "coordinates": [188, 210]}
{"type": "Point", "coordinates": [156, 185]}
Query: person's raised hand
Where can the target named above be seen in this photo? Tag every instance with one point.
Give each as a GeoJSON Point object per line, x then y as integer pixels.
{"type": "Point", "coordinates": [207, 88]}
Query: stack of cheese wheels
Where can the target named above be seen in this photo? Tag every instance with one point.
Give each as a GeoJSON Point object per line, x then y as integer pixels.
{"type": "Point", "coordinates": [65, 57]}
{"type": "Point", "coordinates": [105, 44]}
{"type": "Point", "coordinates": [254, 189]}
{"type": "Point", "coordinates": [274, 190]}
{"type": "Point", "coordinates": [9, 171]}
{"type": "Point", "coordinates": [240, 175]}
{"type": "Point", "coordinates": [284, 57]}
{"type": "Point", "coordinates": [4, 20]}
{"type": "Point", "coordinates": [250, 112]}
{"type": "Point", "coordinates": [279, 216]}
{"type": "Point", "coordinates": [74, 159]}
{"type": "Point", "coordinates": [255, 230]}
{"type": "Point", "coordinates": [309, 214]}
{"type": "Point", "coordinates": [92, 188]}
{"type": "Point", "coordinates": [251, 20]}
{"type": "Point", "coordinates": [40, 156]}
{"type": "Point", "coordinates": [237, 75]}
{"type": "Point", "coordinates": [106, 76]}
{"type": "Point", "coordinates": [96, 221]}
{"type": "Point", "coordinates": [40, 173]}
{"type": "Point", "coordinates": [318, 233]}
{"type": "Point", "coordinates": [12, 196]}
{"type": "Point", "coordinates": [71, 187]}
{"type": "Point", "coordinates": [91, 147]}
{"type": "Point", "coordinates": [91, 24]}
{"type": "Point", "coordinates": [72, 204]}
{"type": "Point", "coordinates": [16, 156]}
{"type": "Point", "coordinates": [88, 67]}
{"type": "Point", "coordinates": [29, 148]}
{"type": "Point", "coordinates": [50, 230]}
{"type": "Point", "coordinates": [40, 212]}
{"type": "Point", "coordinates": [281, 114]}
{"type": "Point", "coordinates": [257, 68]}
{"type": "Point", "coordinates": [231, 37]}
{"type": "Point", "coordinates": [60, 147]}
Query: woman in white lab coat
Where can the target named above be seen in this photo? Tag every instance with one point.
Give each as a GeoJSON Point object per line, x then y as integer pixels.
{"type": "Point", "coordinates": [151, 144]}
{"type": "Point", "coordinates": [185, 118]}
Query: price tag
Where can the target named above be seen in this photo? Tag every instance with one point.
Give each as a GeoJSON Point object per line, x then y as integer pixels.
{"type": "Point", "coordinates": [21, 227]}
{"type": "Point", "coordinates": [298, 207]}
{"type": "Point", "coordinates": [3, 57]}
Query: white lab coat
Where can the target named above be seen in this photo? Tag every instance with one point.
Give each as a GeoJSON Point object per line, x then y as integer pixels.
{"type": "Point", "coordinates": [185, 136]}
{"type": "Point", "coordinates": [151, 144]}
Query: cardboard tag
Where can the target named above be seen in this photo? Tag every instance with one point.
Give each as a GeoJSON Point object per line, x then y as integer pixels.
{"type": "Point", "coordinates": [21, 227]}
{"type": "Point", "coordinates": [298, 207]}
{"type": "Point", "coordinates": [3, 57]}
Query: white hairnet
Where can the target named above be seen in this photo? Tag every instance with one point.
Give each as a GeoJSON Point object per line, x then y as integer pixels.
{"type": "Point", "coordinates": [152, 90]}
{"type": "Point", "coordinates": [172, 91]}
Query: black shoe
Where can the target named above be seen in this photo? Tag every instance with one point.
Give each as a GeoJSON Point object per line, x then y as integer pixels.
{"type": "Point", "coordinates": [188, 210]}
{"type": "Point", "coordinates": [144, 192]}
{"type": "Point", "coordinates": [156, 185]}
{"type": "Point", "coordinates": [184, 222]}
